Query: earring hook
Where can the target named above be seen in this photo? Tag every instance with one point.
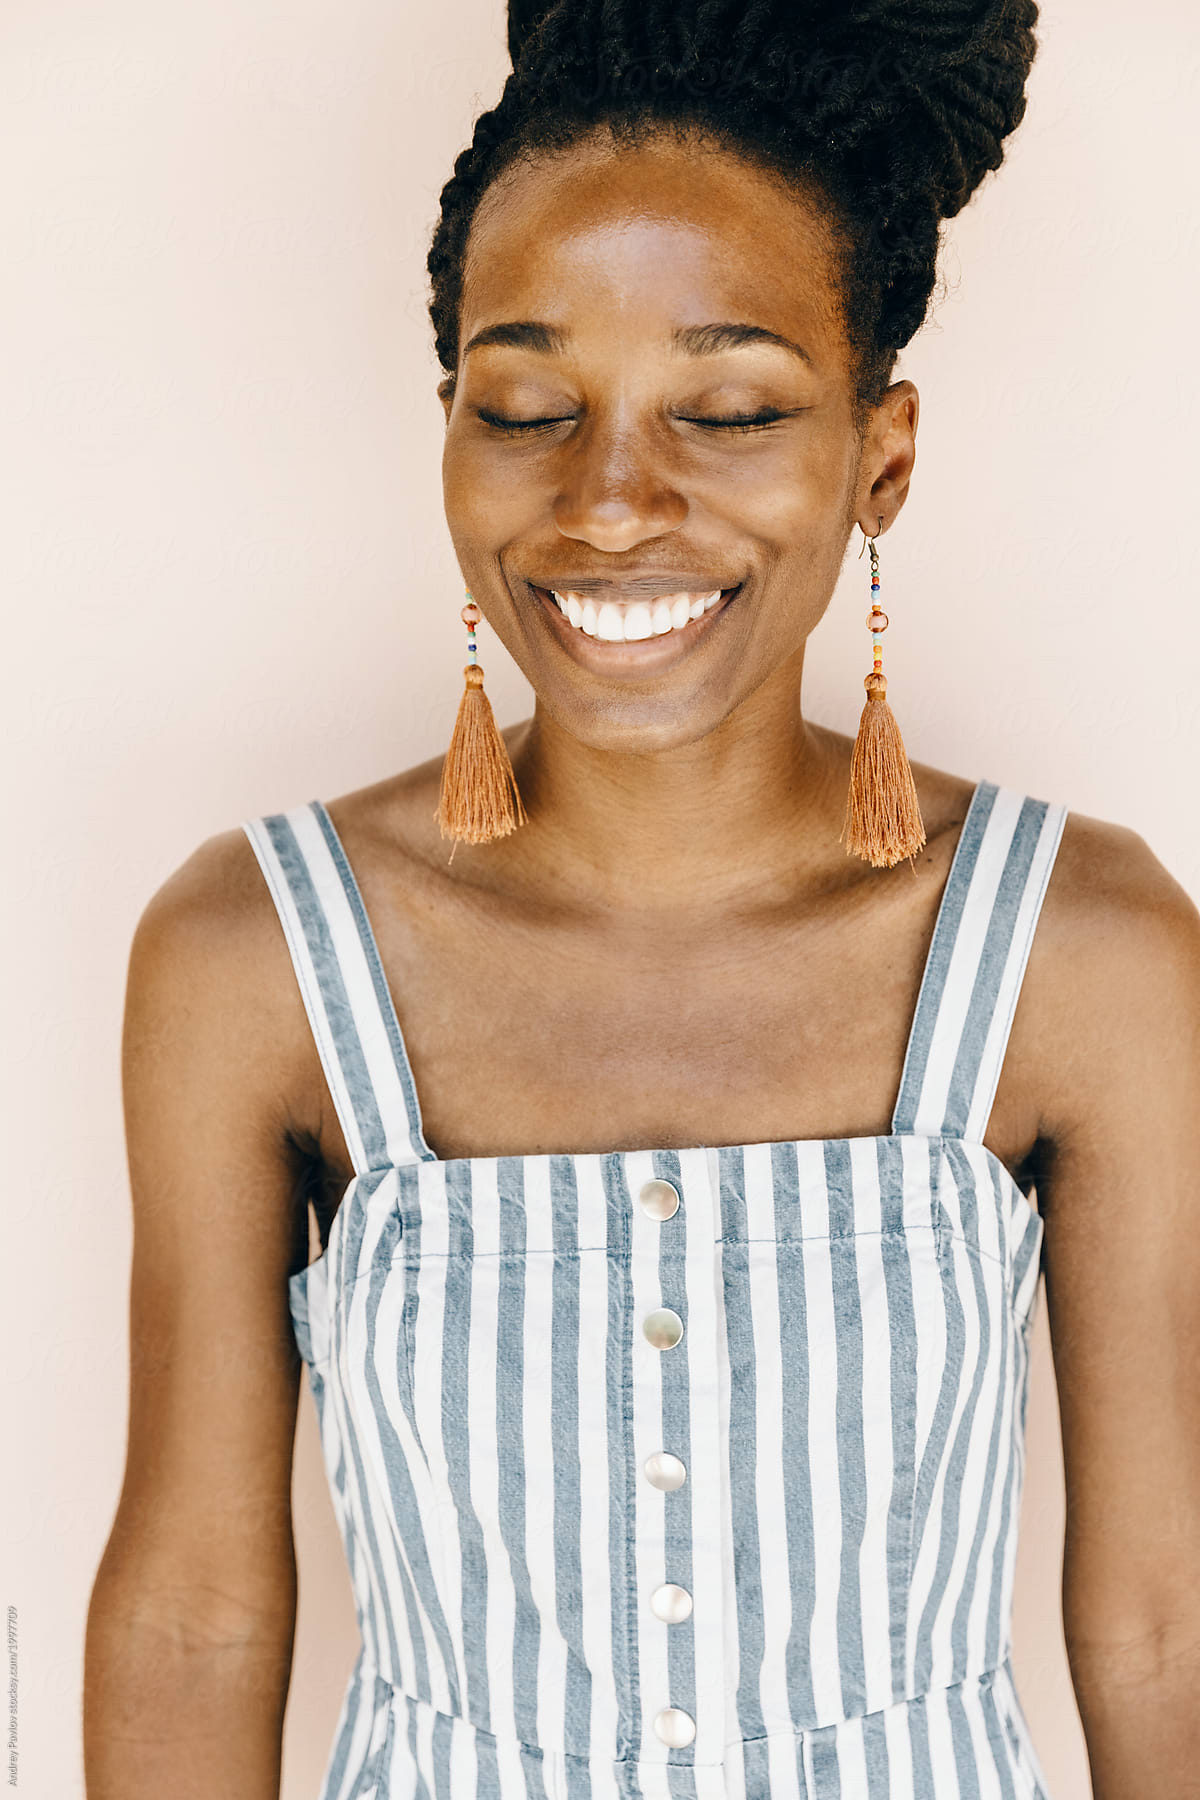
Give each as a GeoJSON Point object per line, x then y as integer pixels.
{"type": "Point", "coordinates": [870, 540]}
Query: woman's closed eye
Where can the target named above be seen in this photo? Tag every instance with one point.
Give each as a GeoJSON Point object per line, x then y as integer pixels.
{"type": "Point", "coordinates": [744, 421]}
{"type": "Point", "coordinates": [732, 422]}
{"type": "Point", "coordinates": [502, 424]}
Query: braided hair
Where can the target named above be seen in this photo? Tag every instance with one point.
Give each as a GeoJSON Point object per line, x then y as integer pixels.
{"type": "Point", "coordinates": [889, 112]}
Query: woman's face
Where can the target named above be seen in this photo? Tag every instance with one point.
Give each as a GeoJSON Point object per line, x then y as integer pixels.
{"type": "Point", "coordinates": [585, 451]}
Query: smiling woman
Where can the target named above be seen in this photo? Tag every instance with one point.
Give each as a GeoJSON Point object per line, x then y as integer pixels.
{"type": "Point", "coordinates": [632, 605]}
{"type": "Point", "coordinates": [761, 364]}
{"type": "Point", "coordinates": [670, 1350]}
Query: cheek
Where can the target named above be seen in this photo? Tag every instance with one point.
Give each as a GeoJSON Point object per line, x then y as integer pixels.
{"type": "Point", "coordinates": [460, 485]}
{"type": "Point", "coordinates": [787, 502]}
{"type": "Point", "coordinates": [786, 489]}
{"type": "Point", "coordinates": [490, 496]}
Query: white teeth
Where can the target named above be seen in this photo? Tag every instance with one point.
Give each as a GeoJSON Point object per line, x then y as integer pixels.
{"type": "Point", "coordinates": [609, 624]}
{"type": "Point", "coordinates": [638, 620]}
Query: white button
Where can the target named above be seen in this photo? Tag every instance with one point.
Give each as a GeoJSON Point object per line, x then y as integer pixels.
{"type": "Point", "coordinates": [675, 1727]}
{"type": "Point", "coordinates": [663, 1328]}
{"type": "Point", "coordinates": [659, 1200]}
{"type": "Point", "coordinates": [662, 1470]}
{"type": "Point", "coordinates": [670, 1603]}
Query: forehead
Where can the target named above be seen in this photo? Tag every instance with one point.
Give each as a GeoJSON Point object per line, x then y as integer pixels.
{"type": "Point", "coordinates": [666, 227]}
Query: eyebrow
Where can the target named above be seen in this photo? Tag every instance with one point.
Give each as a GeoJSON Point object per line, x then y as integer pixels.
{"type": "Point", "coordinates": [710, 340]}
{"type": "Point", "coordinates": [691, 340]}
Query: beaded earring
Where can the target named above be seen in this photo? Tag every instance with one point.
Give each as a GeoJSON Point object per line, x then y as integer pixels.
{"type": "Point", "coordinates": [883, 816]}
{"type": "Point", "coordinates": [479, 800]}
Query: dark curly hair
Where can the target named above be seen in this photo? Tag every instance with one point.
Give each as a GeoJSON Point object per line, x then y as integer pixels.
{"type": "Point", "coordinates": [889, 112]}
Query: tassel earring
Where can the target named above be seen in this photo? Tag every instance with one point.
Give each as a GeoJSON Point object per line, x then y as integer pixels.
{"type": "Point", "coordinates": [883, 817]}
{"type": "Point", "coordinates": [479, 799]}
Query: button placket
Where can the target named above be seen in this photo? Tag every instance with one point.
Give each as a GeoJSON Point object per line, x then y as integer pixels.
{"type": "Point", "coordinates": [658, 1275]}
{"type": "Point", "coordinates": [707, 1476]}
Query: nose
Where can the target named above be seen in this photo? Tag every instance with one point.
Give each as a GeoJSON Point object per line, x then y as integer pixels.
{"type": "Point", "coordinates": [616, 491]}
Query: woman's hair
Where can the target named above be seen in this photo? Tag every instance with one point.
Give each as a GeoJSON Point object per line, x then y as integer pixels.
{"type": "Point", "coordinates": [889, 113]}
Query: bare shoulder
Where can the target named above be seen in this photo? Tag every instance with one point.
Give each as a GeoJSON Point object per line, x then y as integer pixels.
{"type": "Point", "coordinates": [209, 963]}
{"type": "Point", "coordinates": [1115, 965]}
{"type": "Point", "coordinates": [1102, 866]}
{"type": "Point", "coordinates": [215, 901]}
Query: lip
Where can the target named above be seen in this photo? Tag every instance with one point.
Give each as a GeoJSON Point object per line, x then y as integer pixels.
{"type": "Point", "coordinates": [650, 584]}
{"type": "Point", "coordinates": [645, 656]}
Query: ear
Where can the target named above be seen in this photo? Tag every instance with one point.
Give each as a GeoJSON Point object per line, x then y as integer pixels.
{"type": "Point", "coordinates": [445, 393]}
{"type": "Point", "coordinates": [893, 452]}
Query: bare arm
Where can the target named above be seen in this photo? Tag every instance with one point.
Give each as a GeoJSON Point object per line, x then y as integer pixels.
{"type": "Point", "coordinates": [1120, 1193]}
{"type": "Point", "coordinates": [189, 1631]}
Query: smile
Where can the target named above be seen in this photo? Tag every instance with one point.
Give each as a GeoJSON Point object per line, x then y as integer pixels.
{"type": "Point", "coordinates": [629, 621]}
{"type": "Point", "coordinates": [632, 634]}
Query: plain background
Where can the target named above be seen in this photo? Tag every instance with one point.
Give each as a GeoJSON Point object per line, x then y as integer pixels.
{"type": "Point", "coordinates": [229, 589]}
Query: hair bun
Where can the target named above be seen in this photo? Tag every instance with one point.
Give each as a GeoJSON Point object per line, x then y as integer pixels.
{"type": "Point", "coordinates": [946, 76]}
{"type": "Point", "coordinates": [524, 17]}
{"type": "Point", "coordinates": [895, 110]}
{"type": "Point", "coordinates": [934, 86]}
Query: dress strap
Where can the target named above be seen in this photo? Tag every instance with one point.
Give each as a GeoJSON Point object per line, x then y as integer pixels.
{"type": "Point", "coordinates": [972, 978]}
{"type": "Point", "coordinates": [342, 983]}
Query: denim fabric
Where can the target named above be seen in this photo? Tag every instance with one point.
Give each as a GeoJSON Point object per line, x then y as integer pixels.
{"type": "Point", "coordinates": [847, 1400]}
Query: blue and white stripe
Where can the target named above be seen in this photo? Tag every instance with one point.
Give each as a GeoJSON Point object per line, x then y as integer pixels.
{"type": "Point", "coordinates": [848, 1398]}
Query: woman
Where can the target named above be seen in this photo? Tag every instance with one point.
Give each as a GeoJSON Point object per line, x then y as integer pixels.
{"type": "Point", "coordinates": [670, 1349]}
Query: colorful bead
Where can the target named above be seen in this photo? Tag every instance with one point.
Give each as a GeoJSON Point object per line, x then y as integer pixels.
{"type": "Point", "coordinates": [470, 614]}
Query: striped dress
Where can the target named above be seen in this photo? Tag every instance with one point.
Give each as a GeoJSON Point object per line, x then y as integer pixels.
{"type": "Point", "coordinates": [678, 1472]}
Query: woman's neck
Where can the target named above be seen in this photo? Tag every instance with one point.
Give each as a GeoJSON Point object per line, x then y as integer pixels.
{"type": "Point", "coordinates": [757, 804]}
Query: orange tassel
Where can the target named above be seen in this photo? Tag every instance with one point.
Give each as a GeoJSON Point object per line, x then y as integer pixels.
{"type": "Point", "coordinates": [479, 800]}
{"type": "Point", "coordinates": [883, 815]}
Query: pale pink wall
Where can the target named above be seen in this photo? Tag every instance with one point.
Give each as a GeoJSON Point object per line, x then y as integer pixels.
{"type": "Point", "coordinates": [228, 589]}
